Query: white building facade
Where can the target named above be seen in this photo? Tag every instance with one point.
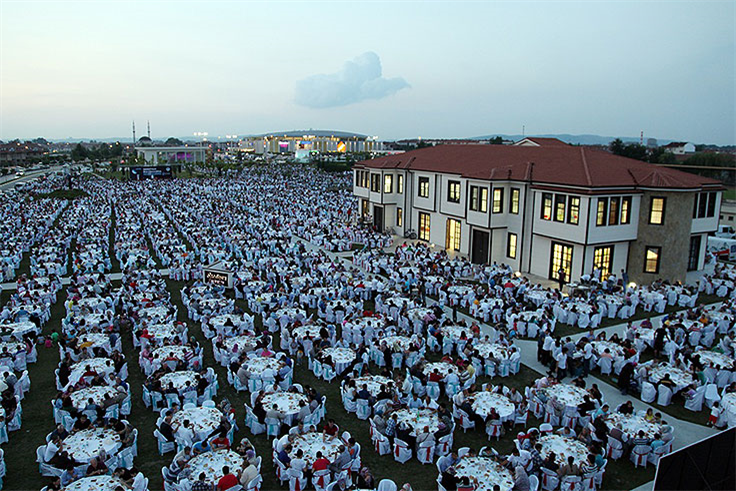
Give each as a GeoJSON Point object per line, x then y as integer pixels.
{"type": "Point", "coordinates": [494, 206]}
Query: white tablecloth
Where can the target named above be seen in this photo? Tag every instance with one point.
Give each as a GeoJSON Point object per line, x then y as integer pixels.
{"type": "Point", "coordinates": [311, 443]}
{"type": "Point", "coordinates": [85, 445]}
{"type": "Point", "coordinates": [484, 401]}
{"type": "Point", "coordinates": [563, 448]}
{"type": "Point", "coordinates": [211, 463]}
{"type": "Point", "coordinates": [417, 419]}
{"type": "Point", "coordinates": [486, 471]}
{"type": "Point", "coordinates": [81, 397]}
{"type": "Point", "coordinates": [631, 425]}
{"type": "Point", "coordinates": [204, 420]}
{"type": "Point", "coordinates": [96, 483]}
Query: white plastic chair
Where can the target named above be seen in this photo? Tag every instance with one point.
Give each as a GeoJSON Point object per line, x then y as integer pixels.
{"type": "Point", "coordinates": [664, 397]}
{"type": "Point", "coordinates": [648, 392]}
{"type": "Point", "coordinates": [640, 454]}
{"type": "Point", "coordinates": [386, 485]}
{"type": "Point", "coordinates": [425, 452]}
{"type": "Point", "coordinates": [402, 452]}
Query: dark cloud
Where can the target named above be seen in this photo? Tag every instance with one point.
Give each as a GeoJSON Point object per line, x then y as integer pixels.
{"type": "Point", "coordinates": [359, 80]}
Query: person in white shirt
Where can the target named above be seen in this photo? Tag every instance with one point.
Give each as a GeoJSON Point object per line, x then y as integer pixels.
{"type": "Point", "coordinates": [52, 448]}
{"type": "Point", "coordinates": [562, 364]}
{"type": "Point", "coordinates": [298, 463]}
{"type": "Point", "coordinates": [185, 433]}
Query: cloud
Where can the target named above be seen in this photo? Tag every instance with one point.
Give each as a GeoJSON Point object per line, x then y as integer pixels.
{"type": "Point", "coordinates": [359, 80]}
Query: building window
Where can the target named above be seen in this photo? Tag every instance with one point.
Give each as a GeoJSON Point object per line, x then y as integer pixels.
{"type": "Point", "coordinates": [424, 187]}
{"type": "Point", "coordinates": [560, 207]}
{"type": "Point", "coordinates": [546, 206]}
{"type": "Point", "coordinates": [497, 206]}
{"type": "Point", "coordinates": [453, 235]}
{"type": "Point", "coordinates": [399, 217]}
{"type": "Point", "coordinates": [694, 254]}
{"type": "Point", "coordinates": [603, 260]}
{"type": "Point", "coordinates": [511, 246]}
{"type": "Point", "coordinates": [514, 202]}
{"type": "Point", "coordinates": [573, 210]}
{"type": "Point", "coordinates": [366, 178]}
{"type": "Point", "coordinates": [376, 183]}
{"type": "Point", "coordinates": [400, 184]}
{"type": "Point", "coordinates": [424, 226]}
{"type": "Point", "coordinates": [625, 210]}
{"type": "Point", "coordinates": [712, 204]}
{"type": "Point", "coordinates": [561, 260]}
{"type": "Point", "coordinates": [656, 211]}
{"type": "Point", "coordinates": [478, 199]}
{"type": "Point", "coordinates": [600, 216]}
{"type": "Point", "coordinates": [651, 259]}
{"type": "Point", "coordinates": [453, 191]}
{"type": "Point", "coordinates": [704, 205]}
{"type": "Point", "coordinates": [388, 184]}
{"type": "Point", "coordinates": [613, 206]}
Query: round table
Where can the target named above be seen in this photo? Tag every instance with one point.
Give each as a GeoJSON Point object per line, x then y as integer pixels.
{"type": "Point", "coordinates": [96, 483]}
{"type": "Point", "coordinates": [680, 378]}
{"type": "Point", "coordinates": [181, 353]}
{"type": "Point", "coordinates": [564, 448]}
{"type": "Point", "coordinates": [565, 394]}
{"type": "Point", "coordinates": [373, 383]}
{"type": "Point", "coordinates": [442, 367]}
{"type": "Point", "coordinates": [179, 379]}
{"type": "Point", "coordinates": [486, 471]}
{"type": "Point", "coordinates": [204, 420]}
{"type": "Point", "coordinates": [286, 402]}
{"type": "Point", "coordinates": [398, 343]}
{"type": "Point", "coordinates": [211, 463]}
{"type": "Point", "coordinates": [341, 357]}
{"type": "Point", "coordinates": [85, 445]}
{"type": "Point", "coordinates": [102, 366]}
{"type": "Point", "coordinates": [491, 350]}
{"type": "Point", "coordinates": [484, 401]}
{"type": "Point", "coordinates": [716, 359]}
{"type": "Point", "coordinates": [161, 332]}
{"type": "Point", "coordinates": [632, 424]}
{"type": "Point", "coordinates": [80, 398]}
{"type": "Point", "coordinates": [240, 344]}
{"type": "Point", "coordinates": [257, 365]}
{"type": "Point", "coordinates": [455, 332]}
{"type": "Point", "coordinates": [313, 442]}
{"type": "Point", "coordinates": [417, 419]}
{"type": "Point", "coordinates": [307, 330]}
{"type": "Point", "coordinates": [600, 347]}
{"type": "Point", "coordinates": [95, 340]}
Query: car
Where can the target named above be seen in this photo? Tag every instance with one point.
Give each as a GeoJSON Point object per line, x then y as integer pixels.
{"type": "Point", "coordinates": [20, 173]}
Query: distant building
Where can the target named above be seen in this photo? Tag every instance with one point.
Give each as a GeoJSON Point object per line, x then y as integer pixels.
{"type": "Point", "coordinates": [728, 213]}
{"type": "Point", "coordinates": [16, 152]}
{"type": "Point", "coordinates": [172, 155]}
{"type": "Point", "coordinates": [679, 148]}
{"type": "Point", "coordinates": [543, 206]}
{"type": "Point", "coordinates": [309, 141]}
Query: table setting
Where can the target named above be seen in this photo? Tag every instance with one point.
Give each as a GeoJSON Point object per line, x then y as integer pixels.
{"type": "Point", "coordinates": [372, 382]}
{"type": "Point", "coordinates": [80, 398]}
{"type": "Point", "coordinates": [417, 419]}
{"type": "Point", "coordinates": [565, 394]}
{"type": "Point", "coordinates": [313, 442]}
{"type": "Point", "coordinates": [211, 463]}
{"type": "Point", "coordinates": [179, 379]}
{"type": "Point", "coordinates": [204, 420]}
{"type": "Point", "coordinates": [85, 445]}
{"type": "Point", "coordinates": [96, 483]}
{"type": "Point", "coordinates": [564, 448]}
{"type": "Point", "coordinates": [632, 424]}
{"type": "Point", "coordinates": [483, 402]}
{"type": "Point", "coordinates": [486, 471]}
{"type": "Point", "coordinates": [442, 367]}
{"type": "Point", "coordinates": [341, 357]}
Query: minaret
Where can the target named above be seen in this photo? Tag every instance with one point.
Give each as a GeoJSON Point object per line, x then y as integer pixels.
{"type": "Point", "coordinates": [133, 133]}
{"type": "Point", "coordinates": [149, 129]}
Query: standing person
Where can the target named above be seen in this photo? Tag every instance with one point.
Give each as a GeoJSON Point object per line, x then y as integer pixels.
{"type": "Point", "coordinates": [561, 277]}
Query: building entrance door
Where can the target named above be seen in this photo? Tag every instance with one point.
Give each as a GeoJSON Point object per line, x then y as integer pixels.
{"type": "Point", "coordinates": [480, 245]}
{"type": "Point", "coordinates": [378, 217]}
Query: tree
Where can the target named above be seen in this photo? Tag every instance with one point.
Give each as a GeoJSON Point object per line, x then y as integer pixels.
{"type": "Point", "coordinates": [79, 153]}
{"type": "Point", "coordinates": [496, 141]}
{"type": "Point", "coordinates": [616, 147]}
{"type": "Point", "coordinates": [174, 142]}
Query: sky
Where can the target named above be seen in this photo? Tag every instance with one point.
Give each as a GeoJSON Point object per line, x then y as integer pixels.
{"type": "Point", "coordinates": [389, 69]}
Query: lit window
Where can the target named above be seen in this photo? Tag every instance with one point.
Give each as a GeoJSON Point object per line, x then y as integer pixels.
{"type": "Point", "coordinates": [400, 184]}
{"type": "Point", "coordinates": [514, 203]}
{"type": "Point", "coordinates": [573, 210]}
{"type": "Point", "coordinates": [474, 197]}
{"type": "Point", "coordinates": [497, 200]}
{"type": "Point", "coordinates": [453, 191]}
{"type": "Point", "coordinates": [546, 206]}
{"type": "Point", "coordinates": [376, 183]}
{"type": "Point", "coordinates": [626, 210]}
{"type": "Point", "coordinates": [424, 226]}
{"type": "Point", "coordinates": [651, 259]}
{"type": "Point", "coordinates": [656, 212]}
{"type": "Point", "coordinates": [399, 217]}
{"type": "Point", "coordinates": [600, 217]}
{"type": "Point", "coordinates": [560, 207]}
{"type": "Point", "coordinates": [424, 187]}
{"type": "Point", "coordinates": [511, 246]}
{"type": "Point", "coordinates": [613, 211]}
{"type": "Point", "coordinates": [388, 184]}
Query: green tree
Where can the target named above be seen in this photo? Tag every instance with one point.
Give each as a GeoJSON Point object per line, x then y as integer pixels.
{"type": "Point", "coordinates": [496, 141]}
{"type": "Point", "coordinates": [79, 152]}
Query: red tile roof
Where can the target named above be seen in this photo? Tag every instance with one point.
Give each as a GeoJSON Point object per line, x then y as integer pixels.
{"type": "Point", "coordinates": [545, 142]}
{"type": "Point", "coordinates": [562, 165]}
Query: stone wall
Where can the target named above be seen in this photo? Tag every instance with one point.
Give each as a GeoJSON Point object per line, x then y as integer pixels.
{"type": "Point", "coordinates": [673, 236]}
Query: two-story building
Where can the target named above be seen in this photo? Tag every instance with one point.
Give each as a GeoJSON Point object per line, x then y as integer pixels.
{"type": "Point", "coordinates": [543, 206]}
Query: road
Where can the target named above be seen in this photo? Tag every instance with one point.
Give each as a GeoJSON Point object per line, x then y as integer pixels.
{"type": "Point", "coordinates": [10, 183]}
